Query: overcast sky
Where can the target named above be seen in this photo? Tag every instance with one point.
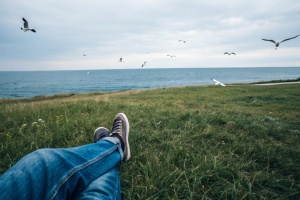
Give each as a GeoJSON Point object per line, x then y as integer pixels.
{"type": "Point", "coordinates": [148, 30]}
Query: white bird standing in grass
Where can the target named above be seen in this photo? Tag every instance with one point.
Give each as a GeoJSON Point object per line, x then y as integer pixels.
{"type": "Point", "coordinates": [277, 43]}
{"type": "Point", "coordinates": [218, 82]}
{"type": "Point", "coordinates": [26, 26]}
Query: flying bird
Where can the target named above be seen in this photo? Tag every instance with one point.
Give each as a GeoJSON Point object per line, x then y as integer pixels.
{"type": "Point", "coordinates": [26, 26]}
{"type": "Point", "coordinates": [229, 53]}
{"type": "Point", "coordinates": [184, 41]}
{"type": "Point", "coordinates": [84, 55]}
{"type": "Point", "coordinates": [171, 56]}
{"type": "Point", "coordinates": [144, 64]}
{"type": "Point", "coordinates": [121, 60]}
{"type": "Point", "coordinates": [218, 82]}
{"type": "Point", "coordinates": [277, 43]}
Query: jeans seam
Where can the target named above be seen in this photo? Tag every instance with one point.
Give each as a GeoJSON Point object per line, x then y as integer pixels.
{"type": "Point", "coordinates": [76, 169]}
{"type": "Point", "coordinates": [117, 188]}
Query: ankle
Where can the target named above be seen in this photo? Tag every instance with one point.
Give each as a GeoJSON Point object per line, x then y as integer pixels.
{"type": "Point", "coordinates": [121, 140]}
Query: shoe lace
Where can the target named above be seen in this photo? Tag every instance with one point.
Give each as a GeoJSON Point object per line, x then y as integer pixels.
{"type": "Point", "coordinates": [116, 127]}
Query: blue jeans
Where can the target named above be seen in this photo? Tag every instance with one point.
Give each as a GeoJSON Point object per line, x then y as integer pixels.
{"type": "Point", "coordinates": [85, 172]}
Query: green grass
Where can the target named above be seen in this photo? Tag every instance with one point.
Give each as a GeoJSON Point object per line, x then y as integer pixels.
{"type": "Point", "coordinates": [200, 142]}
{"type": "Point", "coordinates": [279, 81]}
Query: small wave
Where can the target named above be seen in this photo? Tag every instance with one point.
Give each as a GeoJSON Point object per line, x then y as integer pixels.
{"type": "Point", "coordinates": [15, 96]}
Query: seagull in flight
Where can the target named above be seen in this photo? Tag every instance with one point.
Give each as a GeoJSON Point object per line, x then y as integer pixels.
{"type": "Point", "coordinates": [218, 82]}
{"type": "Point", "coordinates": [184, 41]}
{"type": "Point", "coordinates": [277, 43]}
{"type": "Point", "coordinates": [121, 60]}
{"type": "Point", "coordinates": [171, 56]}
{"type": "Point", "coordinates": [26, 26]}
{"type": "Point", "coordinates": [229, 53]}
{"type": "Point", "coordinates": [144, 64]}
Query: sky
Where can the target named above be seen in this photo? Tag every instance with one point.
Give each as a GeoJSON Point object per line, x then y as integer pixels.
{"type": "Point", "coordinates": [148, 30]}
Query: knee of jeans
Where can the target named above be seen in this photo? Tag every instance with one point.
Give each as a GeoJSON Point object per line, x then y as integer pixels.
{"type": "Point", "coordinates": [42, 153]}
{"type": "Point", "coordinates": [40, 156]}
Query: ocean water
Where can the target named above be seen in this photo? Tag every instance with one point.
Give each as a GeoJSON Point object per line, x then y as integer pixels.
{"type": "Point", "coordinates": [24, 84]}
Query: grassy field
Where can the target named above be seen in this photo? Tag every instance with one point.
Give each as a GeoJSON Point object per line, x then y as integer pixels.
{"type": "Point", "coordinates": [196, 142]}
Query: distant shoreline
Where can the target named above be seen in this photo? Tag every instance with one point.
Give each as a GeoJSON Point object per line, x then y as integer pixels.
{"type": "Point", "coordinates": [277, 83]}
{"type": "Point", "coordinates": [62, 70]}
{"type": "Point", "coordinates": [63, 95]}
{"type": "Point", "coordinates": [31, 84]}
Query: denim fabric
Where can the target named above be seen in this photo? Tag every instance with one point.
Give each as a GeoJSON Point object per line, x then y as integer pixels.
{"type": "Point", "coordinates": [61, 173]}
{"type": "Point", "coordinates": [105, 187]}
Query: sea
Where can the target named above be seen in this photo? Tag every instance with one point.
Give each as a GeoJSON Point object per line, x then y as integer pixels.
{"type": "Point", "coordinates": [27, 84]}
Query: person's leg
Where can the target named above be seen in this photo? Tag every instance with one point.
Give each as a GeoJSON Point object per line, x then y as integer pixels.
{"type": "Point", "coordinates": [64, 173]}
{"type": "Point", "coordinates": [105, 187]}
{"type": "Point", "coordinates": [108, 185]}
{"type": "Point", "coordinates": [59, 173]}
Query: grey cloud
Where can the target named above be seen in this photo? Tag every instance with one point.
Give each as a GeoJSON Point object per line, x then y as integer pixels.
{"type": "Point", "coordinates": [109, 28]}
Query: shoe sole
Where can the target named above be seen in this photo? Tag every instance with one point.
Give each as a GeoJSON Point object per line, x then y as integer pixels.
{"type": "Point", "coordinates": [100, 128]}
{"type": "Point", "coordinates": [127, 134]}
